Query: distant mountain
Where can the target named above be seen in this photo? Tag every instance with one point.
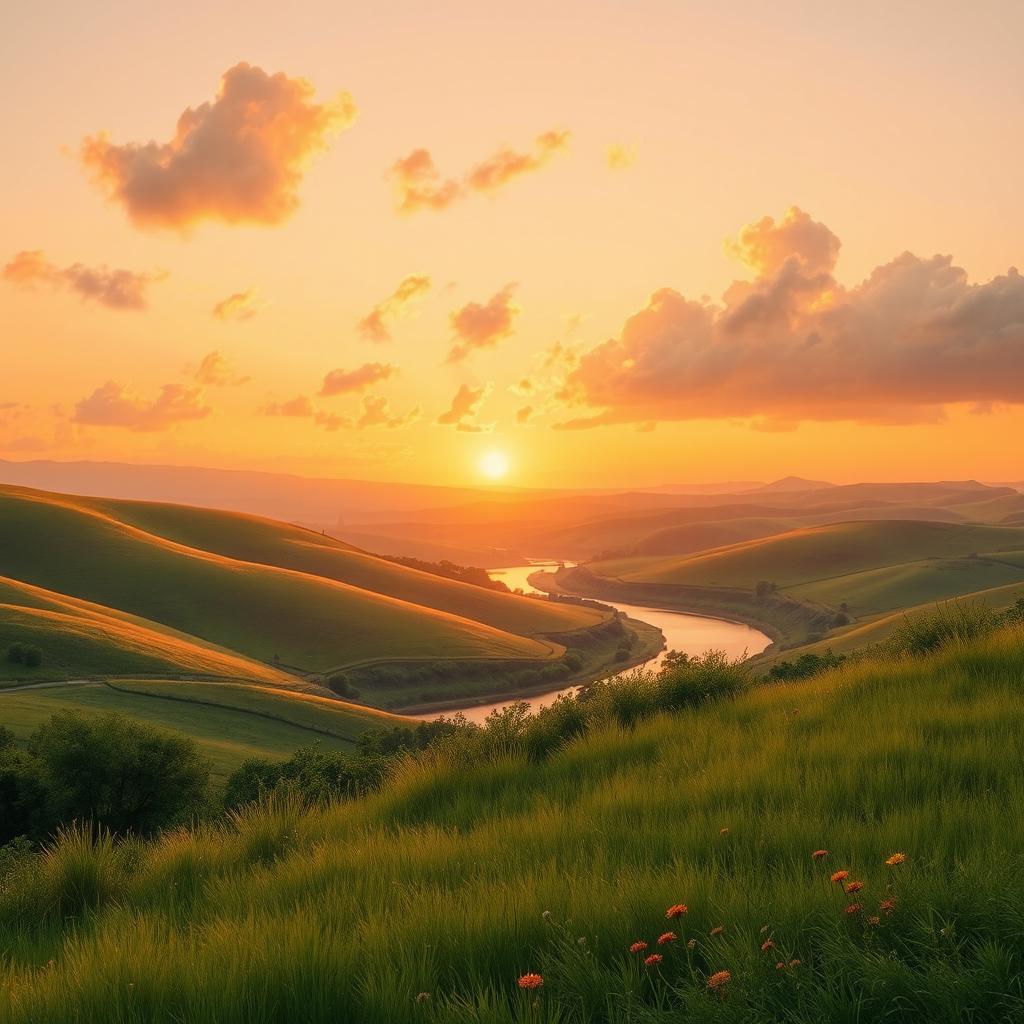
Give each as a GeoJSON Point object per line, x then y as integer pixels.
{"type": "Point", "coordinates": [790, 484]}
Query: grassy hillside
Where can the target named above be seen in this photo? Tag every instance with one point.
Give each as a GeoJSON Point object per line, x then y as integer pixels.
{"type": "Point", "coordinates": [266, 542]}
{"type": "Point", "coordinates": [816, 553]}
{"type": "Point", "coordinates": [229, 722]}
{"type": "Point", "coordinates": [348, 913]}
{"type": "Point", "coordinates": [79, 638]}
{"type": "Point", "coordinates": [264, 612]}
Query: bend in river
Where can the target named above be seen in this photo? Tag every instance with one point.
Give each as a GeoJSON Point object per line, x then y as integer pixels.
{"type": "Point", "coordinates": [692, 634]}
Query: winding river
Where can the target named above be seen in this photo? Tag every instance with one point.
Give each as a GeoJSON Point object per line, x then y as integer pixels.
{"type": "Point", "coordinates": [692, 634]}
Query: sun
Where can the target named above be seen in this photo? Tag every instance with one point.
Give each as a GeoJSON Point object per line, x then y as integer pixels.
{"type": "Point", "coordinates": [494, 465]}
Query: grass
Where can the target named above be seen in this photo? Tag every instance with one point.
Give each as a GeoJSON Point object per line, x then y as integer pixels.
{"type": "Point", "coordinates": [68, 548]}
{"type": "Point", "coordinates": [229, 722]}
{"type": "Point", "coordinates": [347, 912]}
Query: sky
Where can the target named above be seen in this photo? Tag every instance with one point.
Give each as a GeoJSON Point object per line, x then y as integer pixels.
{"type": "Point", "coordinates": [599, 244]}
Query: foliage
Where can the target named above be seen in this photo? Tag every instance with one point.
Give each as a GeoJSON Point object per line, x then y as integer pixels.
{"type": "Point", "coordinates": [806, 665]}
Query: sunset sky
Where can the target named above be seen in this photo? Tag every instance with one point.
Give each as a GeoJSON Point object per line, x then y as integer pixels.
{"type": "Point", "coordinates": [615, 243]}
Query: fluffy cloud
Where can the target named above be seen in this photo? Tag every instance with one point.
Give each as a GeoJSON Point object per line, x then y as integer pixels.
{"type": "Point", "coordinates": [524, 413]}
{"type": "Point", "coordinates": [465, 406]}
{"type": "Point", "coordinates": [482, 325]}
{"type": "Point", "coordinates": [237, 308]}
{"type": "Point", "coordinates": [374, 326]}
{"type": "Point", "coordinates": [299, 406]}
{"type": "Point", "coordinates": [237, 159]}
{"type": "Point", "coordinates": [341, 382]}
{"type": "Point", "coordinates": [794, 344]}
{"type": "Point", "coordinates": [420, 186]}
{"type": "Point", "coordinates": [113, 405]}
{"type": "Point", "coordinates": [216, 371]}
{"type": "Point", "coordinates": [117, 289]}
{"type": "Point", "coordinates": [377, 413]}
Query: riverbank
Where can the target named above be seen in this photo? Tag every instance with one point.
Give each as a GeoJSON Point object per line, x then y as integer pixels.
{"type": "Point", "coordinates": [785, 620]}
{"type": "Point", "coordinates": [649, 643]}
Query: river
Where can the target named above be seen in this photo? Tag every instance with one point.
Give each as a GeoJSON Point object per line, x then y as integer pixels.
{"type": "Point", "coordinates": [692, 634]}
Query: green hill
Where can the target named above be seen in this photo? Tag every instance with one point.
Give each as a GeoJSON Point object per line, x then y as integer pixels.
{"type": "Point", "coordinates": [266, 613]}
{"type": "Point", "coordinates": [348, 912]}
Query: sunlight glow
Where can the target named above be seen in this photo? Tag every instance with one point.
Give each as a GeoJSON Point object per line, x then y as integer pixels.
{"type": "Point", "coordinates": [494, 465]}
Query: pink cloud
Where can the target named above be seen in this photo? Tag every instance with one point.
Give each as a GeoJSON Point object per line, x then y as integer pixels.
{"type": "Point", "coordinates": [116, 289]}
{"type": "Point", "coordinates": [113, 405]}
{"type": "Point", "coordinates": [482, 325]}
{"type": "Point", "coordinates": [340, 382]}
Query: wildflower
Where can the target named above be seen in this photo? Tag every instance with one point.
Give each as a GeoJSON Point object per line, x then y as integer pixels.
{"type": "Point", "coordinates": [718, 979]}
{"type": "Point", "coordinates": [546, 915]}
{"type": "Point", "coordinates": [531, 981]}
{"type": "Point", "coordinates": [724, 831]}
{"type": "Point", "coordinates": [853, 908]}
{"type": "Point", "coordinates": [874, 921]}
{"type": "Point", "coordinates": [719, 929]}
{"type": "Point", "coordinates": [581, 941]}
{"type": "Point", "coordinates": [423, 997]}
{"type": "Point", "coordinates": [896, 858]}
{"type": "Point", "coordinates": [888, 905]}
{"type": "Point", "coordinates": [691, 944]}
{"type": "Point", "coordinates": [667, 937]}
{"type": "Point", "coordinates": [677, 910]}
{"type": "Point", "coordinates": [854, 887]}
{"type": "Point", "coordinates": [780, 966]}
{"type": "Point", "coordinates": [653, 960]}
{"type": "Point", "coordinates": [818, 854]}
{"type": "Point", "coordinates": [794, 963]}
{"type": "Point", "coordinates": [839, 876]}
{"type": "Point", "coordinates": [766, 945]}
{"type": "Point", "coordinates": [638, 947]}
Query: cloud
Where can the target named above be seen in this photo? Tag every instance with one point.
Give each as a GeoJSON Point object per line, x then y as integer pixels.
{"type": "Point", "coordinates": [299, 406]}
{"type": "Point", "coordinates": [619, 156]}
{"type": "Point", "coordinates": [116, 289]}
{"type": "Point", "coordinates": [377, 413]}
{"type": "Point", "coordinates": [478, 325]}
{"type": "Point", "coordinates": [795, 345]}
{"type": "Point", "coordinates": [464, 408]}
{"type": "Point", "coordinates": [523, 414]}
{"type": "Point", "coordinates": [419, 185]}
{"type": "Point", "coordinates": [216, 371]}
{"type": "Point", "coordinates": [113, 405]}
{"type": "Point", "coordinates": [239, 307]}
{"type": "Point", "coordinates": [237, 159]}
{"type": "Point", "coordinates": [341, 382]}
{"type": "Point", "coordinates": [374, 326]}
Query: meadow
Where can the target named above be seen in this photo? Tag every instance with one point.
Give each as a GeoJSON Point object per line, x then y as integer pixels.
{"type": "Point", "coordinates": [414, 905]}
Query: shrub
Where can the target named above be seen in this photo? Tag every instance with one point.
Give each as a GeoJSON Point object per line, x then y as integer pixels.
{"type": "Point", "coordinates": [950, 623]}
{"type": "Point", "coordinates": [806, 665]}
{"type": "Point", "coordinates": [32, 656]}
{"type": "Point", "coordinates": [117, 773]}
{"type": "Point", "coordinates": [16, 653]}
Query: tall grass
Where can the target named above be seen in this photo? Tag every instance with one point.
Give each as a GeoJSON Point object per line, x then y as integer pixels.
{"type": "Point", "coordinates": [458, 877]}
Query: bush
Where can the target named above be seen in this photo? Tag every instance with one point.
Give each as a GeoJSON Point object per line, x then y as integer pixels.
{"type": "Point", "coordinates": [574, 660]}
{"type": "Point", "coordinates": [33, 657]}
{"type": "Point", "coordinates": [116, 773]}
{"type": "Point", "coordinates": [951, 623]}
{"type": "Point", "coordinates": [16, 653]}
{"type": "Point", "coordinates": [806, 665]}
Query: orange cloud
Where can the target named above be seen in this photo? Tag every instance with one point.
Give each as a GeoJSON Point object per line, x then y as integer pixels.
{"type": "Point", "coordinates": [464, 408]}
{"type": "Point", "coordinates": [238, 307]}
{"type": "Point", "coordinates": [113, 405]}
{"type": "Point", "coordinates": [216, 371]}
{"type": "Point", "coordinates": [618, 156]}
{"type": "Point", "coordinates": [420, 186]}
{"type": "Point", "coordinates": [374, 326]}
{"type": "Point", "coordinates": [377, 413]}
{"type": "Point", "coordinates": [523, 414]}
{"type": "Point", "coordinates": [299, 406]}
{"type": "Point", "coordinates": [478, 325]}
{"type": "Point", "coordinates": [237, 159]}
{"type": "Point", "coordinates": [340, 382]}
{"type": "Point", "coordinates": [117, 289]}
{"type": "Point", "coordinates": [795, 345]}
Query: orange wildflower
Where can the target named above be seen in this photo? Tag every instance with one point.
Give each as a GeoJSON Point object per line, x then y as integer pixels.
{"type": "Point", "coordinates": [780, 966]}
{"type": "Point", "coordinates": [888, 905]}
{"type": "Point", "coordinates": [854, 887]}
{"type": "Point", "coordinates": [638, 947]}
{"type": "Point", "coordinates": [853, 908]}
{"type": "Point", "coordinates": [677, 910]}
{"type": "Point", "coordinates": [719, 929]}
{"type": "Point", "coordinates": [766, 945]}
{"type": "Point", "coordinates": [653, 960]}
{"type": "Point", "coordinates": [724, 831]}
{"type": "Point", "coordinates": [874, 921]}
{"type": "Point", "coordinates": [839, 876]}
{"type": "Point", "coordinates": [818, 854]}
{"type": "Point", "coordinates": [667, 937]}
{"type": "Point", "coordinates": [531, 981]}
{"type": "Point", "coordinates": [794, 963]}
{"type": "Point", "coordinates": [896, 858]}
{"type": "Point", "coordinates": [718, 979]}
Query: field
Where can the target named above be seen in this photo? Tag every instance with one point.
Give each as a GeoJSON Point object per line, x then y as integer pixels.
{"type": "Point", "coordinates": [348, 912]}
{"type": "Point", "coordinates": [229, 722]}
{"type": "Point", "coordinates": [71, 548]}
